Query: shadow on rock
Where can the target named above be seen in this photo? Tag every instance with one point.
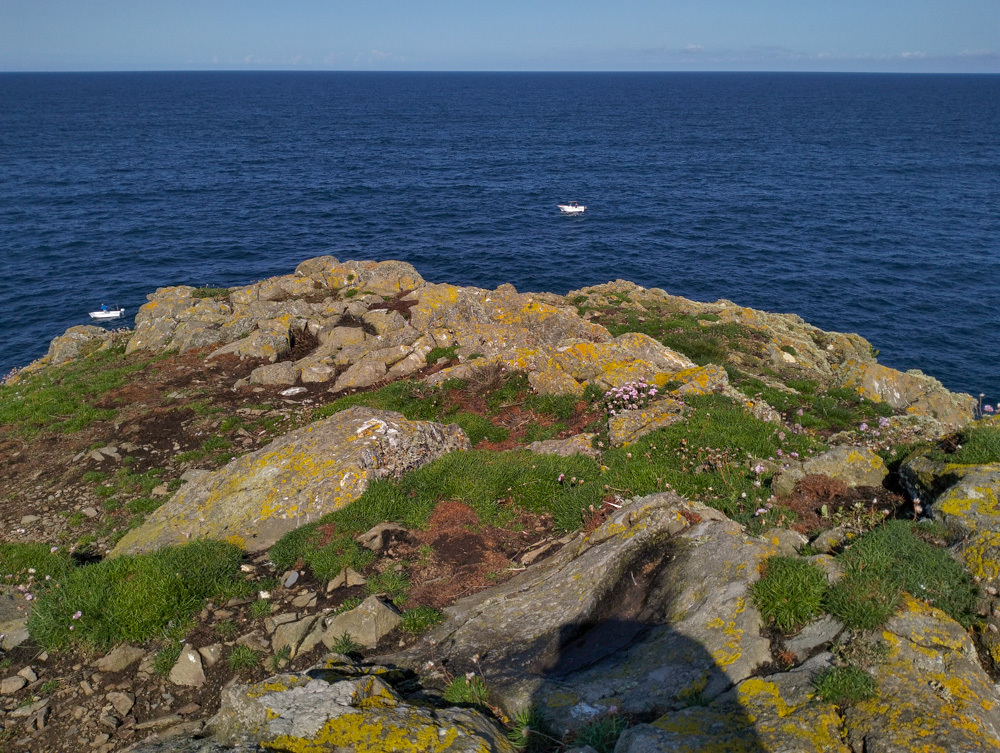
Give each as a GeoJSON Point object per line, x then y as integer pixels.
{"type": "Point", "coordinates": [648, 617]}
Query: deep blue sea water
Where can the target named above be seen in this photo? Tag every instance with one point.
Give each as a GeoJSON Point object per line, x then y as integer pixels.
{"type": "Point", "coordinates": [864, 203]}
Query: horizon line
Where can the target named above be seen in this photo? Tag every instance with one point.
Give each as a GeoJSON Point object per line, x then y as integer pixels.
{"type": "Point", "coordinates": [490, 71]}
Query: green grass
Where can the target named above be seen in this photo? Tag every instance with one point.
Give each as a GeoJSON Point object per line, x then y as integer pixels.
{"type": "Point", "coordinates": [16, 560]}
{"type": "Point", "coordinates": [883, 563]}
{"type": "Point", "coordinates": [394, 583]}
{"type": "Point", "coordinates": [602, 733]}
{"type": "Point", "coordinates": [683, 333]}
{"type": "Point", "coordinates": [979, 444]}
{"type": "Point", "coordinates": [134, 598]}
{"type": "Point", "coordinates": [347, 605]}
{"type": "Point", "coordinates": [260, 608]}
{"type": "Point", "coordinates": [790, 593]}
{"type": "Point", "coordinates": [226, 629]}
{"type": "Point", "coordinates": [467, 691]}
{"type": "Point", "coordinates": [436, 354]}
{"type": "Point", "coordinates": [346, 645]}
{"type": "Point", "coordinates": [243, 657]}
{"type": "Point", "coordinates": [497, 485]}
{"type": "Point", "coordinates": [166, 658]}
{"type": "Point", "coordinates": [325, 558]}
{"type": "Point", "coordinates": [531, 733]}
{"type": "Point", "coordinates": [844, 685]}
{"type": "Point", "coordinates": [420, 619]}
{"type": "Point", "coordinates": [821, 409]}
{"type": "Point", "coordinates": [62, 398]}
{"type": "Point", "coordinates": [415, 401]}
{"type": "Point", "coordinates": [210, 292]}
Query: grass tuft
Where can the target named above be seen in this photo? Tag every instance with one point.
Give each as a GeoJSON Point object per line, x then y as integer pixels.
{"type": "Point", "coordinates": [243, 657]}
{"type": "Point", "coordinates": [134, 598]}
{"type": "Point", "coordinates": [602, 733]}
{"type": "Point", "coordinates": [844, 685]}
{"type": "Point", "coordinates": [790, 593]}
{"type": "Point", "coordinates": [466, 690]}
{"type": "Point", "coordinates": [891, 559]}
{"type": "Point", "coordinates": [420, 619]}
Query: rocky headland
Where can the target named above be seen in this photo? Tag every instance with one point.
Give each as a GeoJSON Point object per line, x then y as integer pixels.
{"type": "Point", "coordinates": [348, 509]}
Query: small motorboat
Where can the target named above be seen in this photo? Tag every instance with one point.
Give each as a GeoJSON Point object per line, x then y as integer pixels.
{"type": "Point", "coordinates": [106, 313]}
{"type": "Point", "coordinates": [572, 208]}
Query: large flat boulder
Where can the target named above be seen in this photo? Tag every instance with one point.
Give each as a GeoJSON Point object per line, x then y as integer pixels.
{"type": "Point", "coordinates": [259, 497]}
{"type": "Point", "coordinates": [932, 693]}
{"type": "Point", "coordinates": [649, 610]}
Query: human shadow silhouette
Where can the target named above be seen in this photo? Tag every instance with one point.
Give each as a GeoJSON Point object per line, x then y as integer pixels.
{"type": "Point", "coordinates": [666, 685]}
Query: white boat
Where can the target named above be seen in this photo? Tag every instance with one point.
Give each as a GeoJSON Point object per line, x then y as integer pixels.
{"type": "Point", "coordinates": [106, 313]}
{"type": "Point", "coordinates": [572, 208]}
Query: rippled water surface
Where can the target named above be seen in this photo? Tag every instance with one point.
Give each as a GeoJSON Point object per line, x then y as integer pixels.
{"type": "Point", "coordinates": [864, 203]}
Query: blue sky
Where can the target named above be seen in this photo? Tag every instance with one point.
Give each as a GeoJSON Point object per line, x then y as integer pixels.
{"type": "Point", "coordinates": [508, 35]}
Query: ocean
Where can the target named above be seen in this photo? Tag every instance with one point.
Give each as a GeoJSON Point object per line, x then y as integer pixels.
{"type": "Point", "coordinates": [865, 203]}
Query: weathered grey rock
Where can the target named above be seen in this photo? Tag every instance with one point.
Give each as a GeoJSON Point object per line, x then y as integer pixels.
{"type": "Point", "coordinates": [932, 691]}
{"type": "Point", "coordinates": [255, 639]}
{"type": "Point", "coordinates": [271, 622]}
{"type": "Point", "coordinates": [316, 373]}
{"type": "Point", "coordinates": [14, 612]}
{"type": "Point", "coordinates": [702, 380]}
{"type": "Point", "coordinates": [627, 426]}
{"type": "Point", "coordinates": [338, 707]}
{"type": "Point", "coordinates": [630, 357]}
{"type": "Point", "coordinates": [578, 444]}
{"type": "Point", "coordinates": [384, 321]}
{"type": "Point", "coordinates": [830, 566]}
{"type": "Point", "coordinates": [385, 278]}
{"type": "Point", "coordinates": [490, 321]}
{"type": "Point", "coordinates": [590, 628]}
{"type": "Point", "coordinates": [960, 496]}
{"type": "Point", "coordinates": [10, 685]}
{"type": "Point", "coordinates": [786, 541]}
{"type": "Point", "coordinates": [174, 318]}
{"type": "Point", "coordinates": [554, 382]}
{"type": "Point", "coordinates": [122, 702]}
{"type": "Point", "coordinates": [290, 635]}
{"type": "Point", "coordinates": [338, 337]}
{"type": "Point", "coordinates": [912, 391]}
{"type": "Point", "coordinates": [182, 737]}
{"type": "Point", "coordinates": [855, 466]}
{"type": "Point", "coordinates": [283, 372]}
{"type": "Point", "coordinates": [367, 623]}
{"type": "Point", "coordinates": [119, 659]}
{"type": "Point", "coordinates": [316, 267]}
{"type": "Point", "coordinates": [71, 343]}
{"type": "Point", "coordinates": [271, 341]}
{"type": "Point", "coordinates": [820, 632]}
{"type": "Point", "coordinates": [773, 713]}
{"type": "Point", "coordinates": [346, 578]}
{"type": "Point", "coordinates": [830, 540]}
{"type": "Point", "coordinates": [378, 538]}
{"type": "Point", "coordinates": [259, 497]}
{"type": "Point", "coordinates": [364, 373]}
{"type": "Point", "coordinates": [188, 670]}
{"type": "Point", "coordinates": [210, 655]}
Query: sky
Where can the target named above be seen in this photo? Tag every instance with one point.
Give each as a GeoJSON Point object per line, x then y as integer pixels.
{"type": "Point", "coordinates": [919, 36]}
